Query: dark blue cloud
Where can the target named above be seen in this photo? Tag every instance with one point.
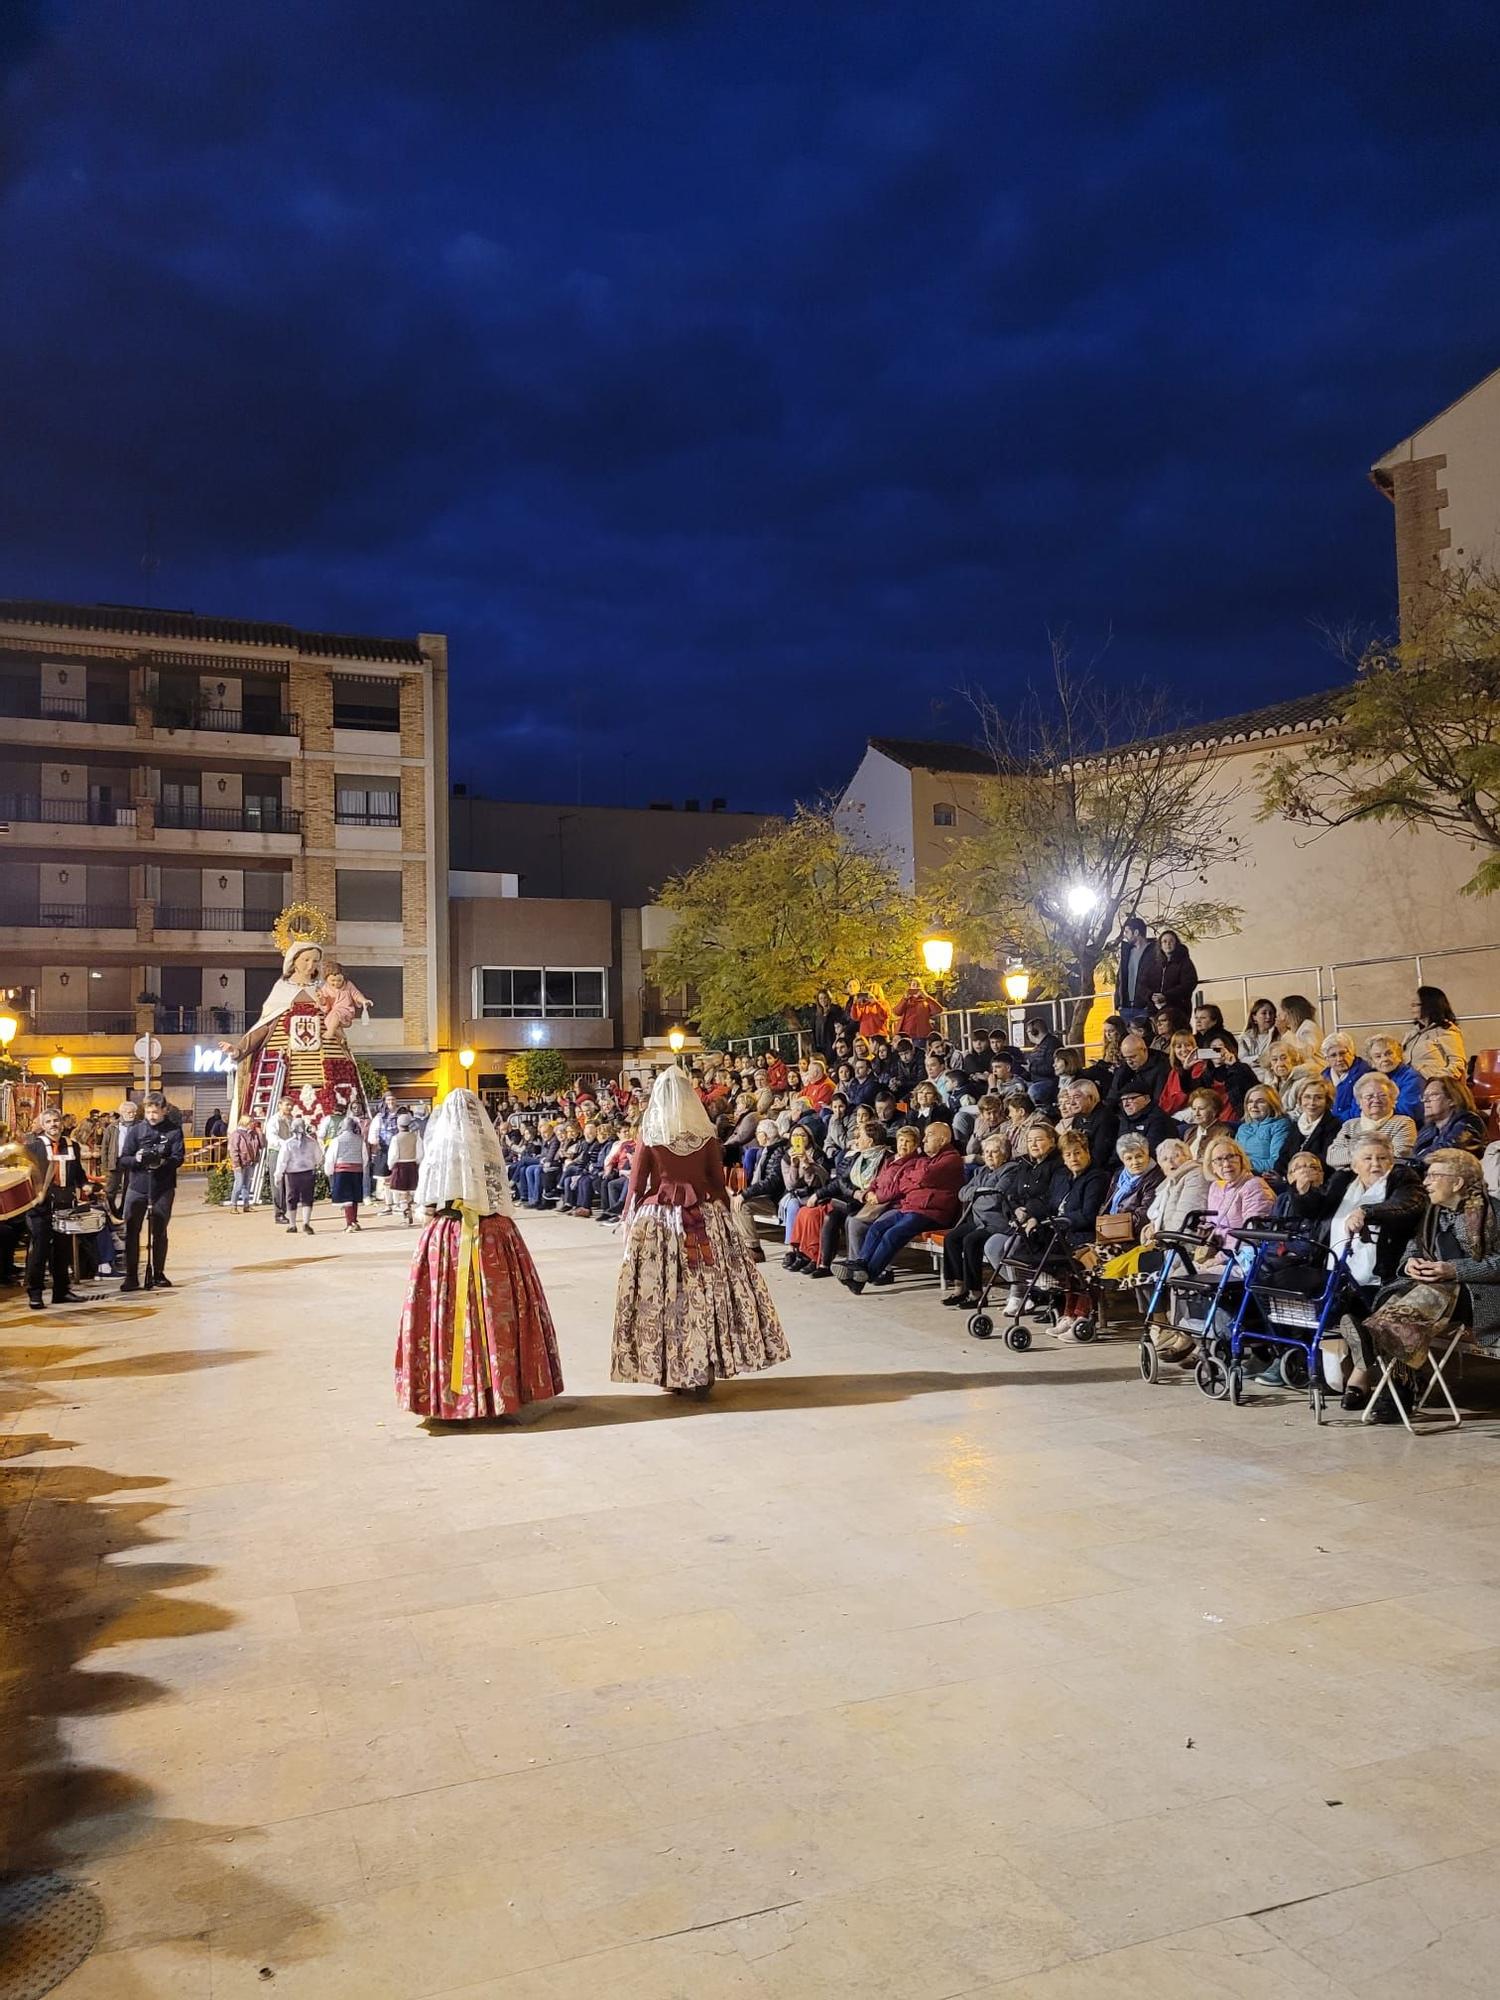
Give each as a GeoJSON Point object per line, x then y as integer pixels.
{"type": "Point", "coordinates": [730, 382]}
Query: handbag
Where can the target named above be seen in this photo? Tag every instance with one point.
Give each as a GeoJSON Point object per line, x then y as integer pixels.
{"type": "Point", "coordinates": [1114, 1228]}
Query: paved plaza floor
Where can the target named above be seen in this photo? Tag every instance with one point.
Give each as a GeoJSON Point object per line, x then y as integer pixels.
{"type": "Point", "coordinates": [915, 1669]}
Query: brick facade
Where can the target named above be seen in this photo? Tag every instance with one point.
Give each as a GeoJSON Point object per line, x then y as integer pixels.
{"type": "Point", "coordinates": [1420, 537]}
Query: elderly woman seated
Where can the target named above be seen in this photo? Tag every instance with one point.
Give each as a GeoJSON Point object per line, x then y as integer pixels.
{"type": "Point", "coordinates": [1133, 1188]}
{"type": "Point", "coordinates": [1267, 1135]}
{"type": "Point", "coordinates": [1084, 1112]}
{"type": "Point", "coordinates": [1387, 1055]}
{"type": "Point", "coordinates": [1371, 1208]}
{"type": "Point", "coordinates": [1450, 1275]}
{"type": "Point", "coordinates": [1378, 1118]}
{"type": "Point", "coordinates": [1343, 1066]}
{"type": "Point", "coordinates": [981, 1213]}
{"type": "Point", "coordinates": [1450, 1117]}
{"type": "Point", "coordinates": [1049, 1232]}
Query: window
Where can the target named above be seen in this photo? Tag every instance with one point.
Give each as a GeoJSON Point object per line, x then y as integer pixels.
{"type": "Point", "coordinates": [382, 987]}
{"type": "Point", "coordinates": [367, 705]}
{"type": "Point", "coordinates": [944, 816]}
{"type": "Point", "coordinates": [536, 993]}
{"type": "Point", "coordinates": [366, 802]}
{"type": "Point", "coordinates": [368, 895]}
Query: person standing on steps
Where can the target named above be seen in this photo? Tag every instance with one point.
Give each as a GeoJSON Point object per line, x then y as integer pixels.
{"type": "Point", "coordinates": [150, 1153]}
{"type": "Point", "coordinates": [690, 1304]}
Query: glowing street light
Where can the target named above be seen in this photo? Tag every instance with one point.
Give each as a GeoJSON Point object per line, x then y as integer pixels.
{"type": "Point", "coordinates": [676, 1041]}
{"type": "Point", "coordinates": [466, 1062]}
{"type": "Point", "coordinates": [1017, 984]}
{"type": "Point", "coordinates": [1081, 899]}
{"type": "Point", "coordinates": [937, 955]}
{"type": "Point", "coordinates": [9, 1028]}
{"type": "Point", "coordinates": [62, 1065]}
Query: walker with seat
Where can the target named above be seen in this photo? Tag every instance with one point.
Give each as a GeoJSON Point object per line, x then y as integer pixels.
{"type": "Point", "coordinates": [1275, 1315]}
{"type": "Point", "coordinates": [1055, 1263]}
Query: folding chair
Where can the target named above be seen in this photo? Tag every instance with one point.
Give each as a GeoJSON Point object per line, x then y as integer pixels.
{"type": "Point", "coordinates": [1436, 1364]}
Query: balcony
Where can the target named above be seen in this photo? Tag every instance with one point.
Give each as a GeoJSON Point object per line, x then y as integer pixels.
{"type": "Point", "coordinates": [227, 819]}
{"type": "Point", "coordinates": [69, 917]}
{"type": "Point", "coordinates": [23, 704]}
{"type": "Point", "coordinates": [53, 1025]}
{"type": "Point", "coordinates": [186, 917]}
{"type": "Point", "coordinates": [28, 808]}
{"type": "Point", "coordinates": [343, 817]}
{"type": "Point", "coordinates": [169, 714]}
{"type": "Point", "coordinates": [201, 1021]}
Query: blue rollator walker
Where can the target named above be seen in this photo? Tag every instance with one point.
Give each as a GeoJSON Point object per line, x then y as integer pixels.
{"type": "Point", "coordinates": [1183, 1299]}
{"type": "Point", "coordinates": [1275, 1315]}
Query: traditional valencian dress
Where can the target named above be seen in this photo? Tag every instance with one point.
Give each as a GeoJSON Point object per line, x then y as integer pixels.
{"type": "Point", "coordinates": [690, 1304]}
{"type": "Point", "coordinates": [476, 1337]}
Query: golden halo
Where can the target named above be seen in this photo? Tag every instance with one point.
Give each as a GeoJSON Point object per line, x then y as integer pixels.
{"type": "Point", "coordinates": [301, 923]}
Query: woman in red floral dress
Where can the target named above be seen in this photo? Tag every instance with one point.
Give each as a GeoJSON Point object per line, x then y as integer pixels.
{"type": "Point", "coordinates": [476, 1337]}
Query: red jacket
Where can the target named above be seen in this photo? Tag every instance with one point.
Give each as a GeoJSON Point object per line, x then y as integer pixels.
{"type": "Point", "coordinates": [935, 1196]}
{"type": "Point", "coordinates": [895, 1178]}
{"type": "Point", "coordinates": [917, 1014]}
{"type": "Point", "coordinates": [869, 1017]}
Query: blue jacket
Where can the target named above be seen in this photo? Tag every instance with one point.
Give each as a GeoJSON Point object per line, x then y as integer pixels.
{"type": "Point", "coordinates": [1410, 1084]}
{"type": "Point", "coordinates": [1268, 1142]}
{"type": "Point", "coordinates": [1463, 1130]}
{"type": "Point", "coordinates": [1344, 1106]}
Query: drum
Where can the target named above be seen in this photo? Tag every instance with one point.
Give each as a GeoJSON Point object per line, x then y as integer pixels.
{"type": "Point", "coordinates": [78, 1221]}
{"type": "Point", "coordinates": [20, 1183]}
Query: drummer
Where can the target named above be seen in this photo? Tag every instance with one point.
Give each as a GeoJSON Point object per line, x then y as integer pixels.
{"type": "Point", "coordinates": [63, 1177]}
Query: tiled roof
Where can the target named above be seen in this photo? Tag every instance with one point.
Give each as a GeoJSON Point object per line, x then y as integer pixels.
{"type": "Point", "coordinates": [1281, 718]}
{"type": "Point", "coordinates": [144, 622]}
{"type": "Point", "coordinates": [919, 756]}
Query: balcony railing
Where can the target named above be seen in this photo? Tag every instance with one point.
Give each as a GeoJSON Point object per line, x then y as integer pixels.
{"type": "Point", "coordinates": [188, 917]}
{"type": "Point", "coordinates": [169, 714]}
{"type": "Point", "coordinates": [31, 705]}
{"type": "Point", "coordinates": [201, 1021]}
{"type": "Point", "coordinates": [363, 715]}
{"type": "Point", "coordinates": [68, 917]}
{"type": "Point", "coordinates": [342, 817]}
{"type": "Point", "coordinates": [85, 1021]}
{"type": "Point", "coordinates": [64, 812]}
{"type": "Point", "coordinates": [227, 819]}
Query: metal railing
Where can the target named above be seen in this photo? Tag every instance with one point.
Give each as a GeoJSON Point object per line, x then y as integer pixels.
{"type": "Point", "coordinates": [69, 917]}
{"type": "Point", "coordinates": [343, 817]}
{"type": "Point", "coordinates": [359, 715]}
{"type": "Point", "coordinates": [227, 819]}
{"type": "Point", "coordinates": [82, 1021]}
{"type": "Point", "coordinates": [201, 1021]}
{"type": "Point", "coordinates": [27, 806]}
{"type": "Point", "coordinates": [188, 917]}
{"type": "Point", "coordinates": [31, 705]}
{"type": "Point", "coordinates": [169, 714]}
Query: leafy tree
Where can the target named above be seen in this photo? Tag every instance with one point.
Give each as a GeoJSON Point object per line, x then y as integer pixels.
{"type": "Point", "coordinates": [762, 925]}
{"type": "Point", "coordinates": [371, 1081]}
{"type": "Point", "coordinates": [1095, 811]}
{"type": "Point", "coordinates": [543, 1071]}
{"type": "Point", "coordinates": [1416, 740]}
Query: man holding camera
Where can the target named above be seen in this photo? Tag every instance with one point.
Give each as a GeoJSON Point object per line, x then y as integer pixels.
{"type": "Point", "coordinates": [151, 1151]}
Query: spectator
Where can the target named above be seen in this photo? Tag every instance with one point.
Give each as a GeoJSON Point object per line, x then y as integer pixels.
{"type": "Point", "coordinates": [150, 1152]}
{"type": "Point", "coordinates": [820, 1225]}
{"type": "Point", "coordinates": [1260, 1032]}
{"type": "Point", "coordinates": [1387, 1055]}
{"type": "Point", "coordinates": [1082, 1112]}
{"type": "Point", "coordinates": [1267, 1136]}
{"type": "Point", "coordinates": [245, 1148]}
{"type": "Point", "coordinates": [1207, 1021]}
{"type": "Point", "coordinates": [1204, 1122]}
{"type": "Point", "coordinates": [817, 1087]}
{"type": "Point", "coordinates": [1343, 1068]}
{"type": "Point", "coordinates": [868, 1014]}
{"type": "Point", "coordinates": [1165, 1023]}
{"type": "Point", "coordinates": [1297, 1022]}
{"type": "Point", "coordinates": [1230, 1076]}
{"type": "Point", "coordinates": [973, 1124]}
{"type": "Point", "coordinates": [1041, 1049]}
{"type": "Point", "coordinates": [898, 1178]}
{"type": "Point", "coordinates": [917, 1015]}
{"type": "Point", "coordinates": [1139, 978]}
{"type": "Point", "coordinates": [1032, 1189]}
{"type": "Point", "coordinates": [1188, 1069]}
{"type": "Point", "coordinates": [828, 1022]}
{"type": "Point", "coordinates": [1373, 1206]}
{"type": "Point", "coordinates": [1317, 1123]}
{"type": "Point", "coordinates": [1235, 1194]}
{"type": "Point", "coordinates": [1435, 1047]}
{"type": "Point", "coordinates": [803, 1172]}
{"type": "Point", "coordinates": [1139, 1068]}
{"type": "Point", "coordinates": [1177, 976]}
{"type": "Point", "coordinates": [1450, 1119]}
{"type": "Point", "coordinates": [1137, 1113]}
{"type": "Point", "coordinates": [981, 1213]}
{"type": "Point", "coordinates": [1378, 1118]}
{"type": "Point", "coordinates": [1136, 1180]}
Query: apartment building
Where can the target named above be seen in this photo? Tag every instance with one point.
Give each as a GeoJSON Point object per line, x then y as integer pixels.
{"type": "Point", "coordinates": [1443, 483]}
{"type": "Point", "coordinates": [168, 783]}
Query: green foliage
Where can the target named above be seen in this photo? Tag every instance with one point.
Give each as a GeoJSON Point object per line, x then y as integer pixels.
{"type": "Point", "coordinates": [219, 1185]}
{"type": "Point", "coordinates": [762, 925]}
{"type": "Point", "coordinates": [1089, 790]}
{"type": "Point", "coordinates": [541, 1071]}
{"type": "Point", "coordinates": [1416, 740]}
{"type": "Point", "coordinates": [371, 1082]}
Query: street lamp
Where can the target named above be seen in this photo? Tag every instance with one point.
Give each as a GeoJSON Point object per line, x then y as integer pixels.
{"type": "Point", "coordinates": [9, 1029]}
{"type": "Point", "coordinates": [1017, 984]}
{"type": "Point", "coordinates": [1082, 898]}
{"type": "Point", "coordinates": [466, 1062]}
{"type": "Point", "coordinates": [676, 1041]}
{"type": "Point", "coordinates": [937, 956]}
{"type": "Point", "coordinates": [62, 1065]}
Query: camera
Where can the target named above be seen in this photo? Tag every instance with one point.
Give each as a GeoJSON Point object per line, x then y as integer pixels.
{"type": "Point", "coordinates": [150, 1153]}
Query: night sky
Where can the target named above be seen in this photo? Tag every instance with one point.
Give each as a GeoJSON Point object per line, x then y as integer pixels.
{"type": "Point", "coordinates": [731, 382]}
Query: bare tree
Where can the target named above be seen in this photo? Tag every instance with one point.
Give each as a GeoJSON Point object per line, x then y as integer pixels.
{"type": "Point", "coordinates": [1099, 807]}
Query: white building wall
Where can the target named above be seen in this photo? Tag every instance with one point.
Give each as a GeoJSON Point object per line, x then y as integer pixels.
{"type": "Point", "coordinates": [876, 807]}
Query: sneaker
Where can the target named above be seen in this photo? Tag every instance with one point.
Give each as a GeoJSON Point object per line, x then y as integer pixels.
{"type": "Point", "coordinates": [883, 1278]}
{"type": "Point", "coordinates": [1015, 1299]}
{"type": "Point", "coordinates": [37, 1305]}
{"type": "Point", "coordinates": [818, 1271]}
{"type": "Point", "coordinates": [164, 1284]}
{"type": "Point", "coordinates": [1064, 1328]}
{"type": "Point", "coordinates": [959, 1299]}
{"type": "Point", "coordinates": [1272, 1377]}
{"type": "Point", "coordinates": [307, 1229]}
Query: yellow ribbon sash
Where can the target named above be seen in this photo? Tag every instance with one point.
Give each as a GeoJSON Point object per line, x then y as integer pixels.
{"type": "Point", "coordinates": [469, 1216]}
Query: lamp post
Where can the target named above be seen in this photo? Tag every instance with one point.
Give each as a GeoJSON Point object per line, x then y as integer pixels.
{"type": "Point", "coordinates": [10, 1027]}
{"type": "Point", "coordinates": [1017, 984]}
{"type": "Point", "coordinates": [1081, 899]}
{"type": "Point", "coordinates": [676, 1041]}
{"type": "Point", "coordinates": [62, 1065]}
{"type": "Point", "coordinates": [937, 956]}
{"type": "Point", "coordinates": [466, 1063]}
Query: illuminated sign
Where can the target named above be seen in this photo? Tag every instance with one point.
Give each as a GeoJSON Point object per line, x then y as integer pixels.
{"type": "Point", "coordinates": [211, 1061]}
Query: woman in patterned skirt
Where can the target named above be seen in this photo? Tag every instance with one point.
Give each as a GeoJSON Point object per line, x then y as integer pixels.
{"type": "Point", "coordinates": [476, 1336]}
{"type": "Point", "coordinates": [690, 1304]}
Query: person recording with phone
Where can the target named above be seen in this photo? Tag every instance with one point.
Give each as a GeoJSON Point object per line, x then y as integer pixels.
{"type": "Point", "coordinates": [151, 1151]}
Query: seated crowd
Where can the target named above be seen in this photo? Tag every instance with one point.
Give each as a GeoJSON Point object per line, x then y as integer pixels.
{"type": "Point", "coordinates": [1059, 1171]}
